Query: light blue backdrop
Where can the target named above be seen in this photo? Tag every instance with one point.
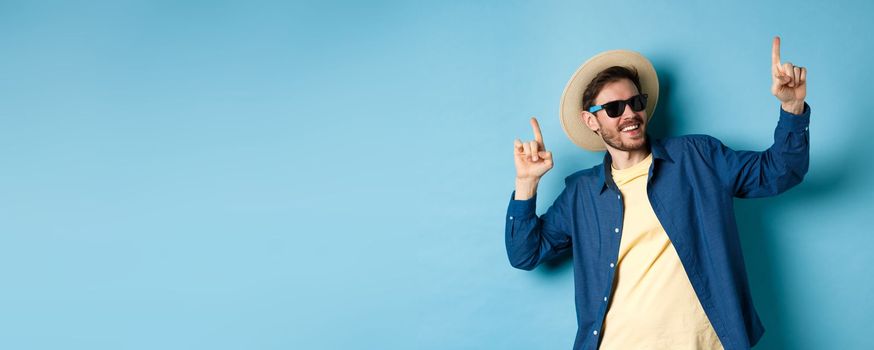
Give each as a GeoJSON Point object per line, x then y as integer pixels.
{"type": "Point", "coordinates": [334, 175]}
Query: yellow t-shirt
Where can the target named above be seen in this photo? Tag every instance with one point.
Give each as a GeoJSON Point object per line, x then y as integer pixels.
{"type": "Point", "coordinates": [653, 304]}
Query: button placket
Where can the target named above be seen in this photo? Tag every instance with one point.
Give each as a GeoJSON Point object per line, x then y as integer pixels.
{"type": "Point", "coordinates": [612, 265]}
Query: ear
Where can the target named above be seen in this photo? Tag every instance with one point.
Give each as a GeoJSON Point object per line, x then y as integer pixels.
{"type": "Point", "coordinates": [591, 120]}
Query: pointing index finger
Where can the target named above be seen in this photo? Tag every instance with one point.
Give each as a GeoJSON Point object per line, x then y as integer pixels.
{"type": "Point", "coordinates": [775, 51]}
{"type": "Point", "coordinates": [537, 135]}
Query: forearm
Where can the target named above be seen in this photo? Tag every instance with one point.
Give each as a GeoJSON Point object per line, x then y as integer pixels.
{"type": "Point", "coordinates": [522, 233]}
{"type": "Point", "coordinates": [781, 166]}
{"type": "Point", "coordinates": [531, 239]}
{"type": "Point", "coordinates": [792, 146]}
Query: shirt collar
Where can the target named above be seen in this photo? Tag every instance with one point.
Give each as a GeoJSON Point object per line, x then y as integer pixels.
{"type": "Point", "coordinates": [656, 147]}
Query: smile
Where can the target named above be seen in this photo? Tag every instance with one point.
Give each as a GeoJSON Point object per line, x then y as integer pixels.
{"type": "Point", "coordinates": [630, 127]}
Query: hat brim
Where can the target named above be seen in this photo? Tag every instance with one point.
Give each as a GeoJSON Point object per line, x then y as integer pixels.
{"type": "Point", "coordinates": [572, 98]}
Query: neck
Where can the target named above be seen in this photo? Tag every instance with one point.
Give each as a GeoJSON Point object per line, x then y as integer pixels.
{"type": "Point", "coordinates": [626, 159]}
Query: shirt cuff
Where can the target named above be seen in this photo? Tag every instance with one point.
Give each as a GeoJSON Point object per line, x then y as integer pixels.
{"type": "Point", "coordinates": [796, 121]}
{"type": "Point", "coordinates": [521, 208]}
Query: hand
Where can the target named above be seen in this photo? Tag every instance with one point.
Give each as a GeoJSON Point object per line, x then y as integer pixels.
{"type": "Point", "coordinates": [789, 82]}
{"type": "Point", "coordinates": [532, 158]}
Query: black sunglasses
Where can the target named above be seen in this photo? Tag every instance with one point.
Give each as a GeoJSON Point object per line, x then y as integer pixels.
{"type": "Point", "coordinates": [616, 108]}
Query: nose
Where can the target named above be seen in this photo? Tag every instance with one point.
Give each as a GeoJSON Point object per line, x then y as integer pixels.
{"type": "Point", "coordinates": [627, 112]}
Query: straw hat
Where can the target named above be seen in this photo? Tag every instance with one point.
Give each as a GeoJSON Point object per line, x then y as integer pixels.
{"type": "Point", "coordinates": [572, 97]}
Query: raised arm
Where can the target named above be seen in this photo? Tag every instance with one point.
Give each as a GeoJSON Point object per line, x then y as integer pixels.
{"type": "Point", "coordinates": [784, 164]}
{"type": "Point", "coordinates": [531, 239]}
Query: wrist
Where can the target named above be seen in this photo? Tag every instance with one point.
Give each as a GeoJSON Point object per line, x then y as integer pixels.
{"type": "Point", "coordinates": [794, 107]}
{"type": "Point", "coordinates": [531, 181]}
{"type": "Point", "coordinates": [526, 188]}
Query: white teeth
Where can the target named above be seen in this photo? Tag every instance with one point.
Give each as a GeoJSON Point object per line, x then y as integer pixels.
{"type": "Point", "coordinates": [631, 127]}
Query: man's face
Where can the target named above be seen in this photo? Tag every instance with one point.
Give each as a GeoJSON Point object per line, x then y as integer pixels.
{"type": "Point", "coordinates": [626, 132]}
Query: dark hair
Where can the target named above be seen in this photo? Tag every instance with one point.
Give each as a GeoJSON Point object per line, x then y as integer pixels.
{"type": "Point", "coordinates": [606, 76]}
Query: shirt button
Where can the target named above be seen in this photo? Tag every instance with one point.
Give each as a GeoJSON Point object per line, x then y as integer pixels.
{"type": "Point", "coordinates": [595, 333]}
{"type": "Point", "coordinates": [619, 196]}
{"type": "Point", "coordinates": [611, 265]}
{"type": "Point", "coordinates": [616, 230]}
{"type": "Point", "coordinates": [605, 298]}
{"type": "Point", "coordinates": [511, 218]}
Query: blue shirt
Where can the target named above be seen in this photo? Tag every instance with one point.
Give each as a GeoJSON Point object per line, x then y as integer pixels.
{"type": "Point", "coordinates": [691, 186]}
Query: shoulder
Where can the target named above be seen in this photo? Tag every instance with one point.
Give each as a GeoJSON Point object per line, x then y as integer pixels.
{"type": "Point", "coordinates": [695, 142]}
{"type": "Point", "coordinates": [585, 177]}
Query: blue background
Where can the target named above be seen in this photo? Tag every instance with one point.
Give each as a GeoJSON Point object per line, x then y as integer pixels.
{"type": "Point", "coordinates": [326, 175]}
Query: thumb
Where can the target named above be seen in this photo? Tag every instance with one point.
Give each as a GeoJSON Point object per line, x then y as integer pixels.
{"type": "Point", "coordinates": [779, 80]}
{"type": "Point", "coordinates": [545, 154]}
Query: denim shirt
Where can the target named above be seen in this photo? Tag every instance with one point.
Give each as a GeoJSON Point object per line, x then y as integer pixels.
{"type": "Point", "coordinates": [691, 186]}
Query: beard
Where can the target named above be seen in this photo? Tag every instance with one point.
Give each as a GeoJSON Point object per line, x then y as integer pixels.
{"type": "Point", "coordinates": [615, 139]}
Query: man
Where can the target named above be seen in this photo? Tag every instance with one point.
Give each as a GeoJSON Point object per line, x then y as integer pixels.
{"type": "Point", "coordinates": [656, 254]}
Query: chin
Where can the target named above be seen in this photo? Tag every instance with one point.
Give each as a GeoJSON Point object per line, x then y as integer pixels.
{"type": "Point", "coordinates": [633, 140]}
{"type": "Point", "coordinates": [628, 145]}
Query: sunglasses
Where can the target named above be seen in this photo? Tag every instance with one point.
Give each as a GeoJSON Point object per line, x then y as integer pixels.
{"type": "Point", "coordinates": [616, 108]}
